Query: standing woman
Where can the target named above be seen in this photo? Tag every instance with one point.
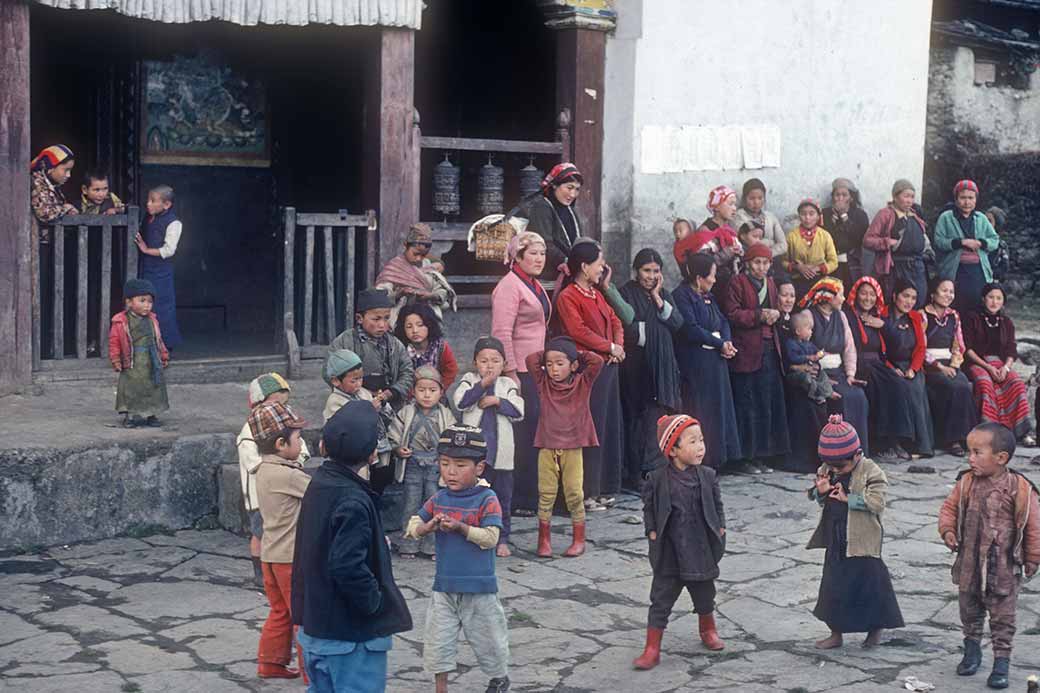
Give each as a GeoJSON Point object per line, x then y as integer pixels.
{"type": "Point", "coordinates": [752, 209]}
{"type": "Point", "coordinates": [704, 346]}
{"type": "Point", "coordinates": [810, 248]}
{"type": "Point", "coordinates": [864, 308]}
{"type": "Point", "coordinates": [587, 318]}
{"type": "Point", "coordinates": [715, 237]}
{"type": "Point", "coordinates": [832, 334]}
{"type": "Point", "coordinates": [846, 221]}
{"type": "Point", "coordinates": [751, 305]}
{"type": "Point", "coordinates": [964, 238]}
{"type": "Point", "coordinates": [900, 417]}
{"type": "Point", "coordinates": [1000, 394]}
{"type": "Point", "coordinates": [520, 310]}
{"type": "Point", "coordinates": [897, 239]}
{"type": "Point", "coordinates": [551, 213]}
{"type": "Point", "coordinates": [949, 392]}
{"type": "Point", "coordinates": [649, 373]}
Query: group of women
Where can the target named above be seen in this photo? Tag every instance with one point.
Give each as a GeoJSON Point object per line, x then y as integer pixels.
{"type": "Point", "coordinates": [909, 371]}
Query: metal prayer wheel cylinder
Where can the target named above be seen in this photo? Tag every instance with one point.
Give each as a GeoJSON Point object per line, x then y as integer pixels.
{"type": "Point", "coordinates": [491, 183]}
{"type": "Point", "coordinates": [530, 180]}
{"type": "Point", "coordinates": [446, 195]}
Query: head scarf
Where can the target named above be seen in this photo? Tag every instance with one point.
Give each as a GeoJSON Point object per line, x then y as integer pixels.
{"type": "Point", "coordinates": [879, 307]}
{"type": "Point", "coordinates": [719, 195]}
{"type": "Point", "coordinates": [522, 241]}
{"type": "Point", "coordinates": [900, 186]}
{"type": "Point", "coordinates": [52, 156]}
{"type": "Point", "coordinates": [821, 292]}
{"type": "Point", "coordinates": [965, 185]}
{"type": "Point", "coordinates": [749, 185]}
{"type": "Point", "coordinates": [757, 250]}
{"type": "Point", "coordinates": [419, 233]}
{"type": "Point", "coordinates": [645, 257]}
{"type": "Point", "coordinates": [838, 183]}
{"type": "Point", "coordinates": [560, 174]}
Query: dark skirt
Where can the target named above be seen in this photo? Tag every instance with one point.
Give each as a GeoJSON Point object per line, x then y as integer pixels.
{"type": "Point", "coordinates": [708, 397]}
{"type": "Point", "coordinates": [758, 401]}
{"type": "Point", "coordinates": [805, 420]}
{"type": "Point", "coordinates": [525, 460]}
{"type": "Point", "coordinates": [900, 412]}
{"type": "Point", "coordinates": [602, 465]}
{"type": "Point", "coordinates": [968, 287]}
{"type": "Point", "coordinates": [952, 406]}
{"type": "Point", "coordinates": [852, 406]}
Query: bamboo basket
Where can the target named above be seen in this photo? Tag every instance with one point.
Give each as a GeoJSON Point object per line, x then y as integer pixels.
{"type": "Point", "coordinates": [490, 240]}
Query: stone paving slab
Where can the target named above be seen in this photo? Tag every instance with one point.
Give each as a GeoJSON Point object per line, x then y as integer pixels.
{"type": "Point", "coordinates": [178, 612]}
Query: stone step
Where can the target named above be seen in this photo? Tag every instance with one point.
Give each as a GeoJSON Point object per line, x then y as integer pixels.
{"type": "Point", "coordinates": [187, 371]}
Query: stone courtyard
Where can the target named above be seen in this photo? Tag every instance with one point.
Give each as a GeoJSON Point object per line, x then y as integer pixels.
{"type": "Point", "coordinates": [178, 612]}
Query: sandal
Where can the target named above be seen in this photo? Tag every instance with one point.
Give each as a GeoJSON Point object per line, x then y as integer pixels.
{"type": "Point", "coordinates": [592, 506]}
{"type": "Point", "coordinates": [1029, 440]}
{"type": "Point", "coordinates": [957, 450]}
{"type": "Point", "coordinates": [606, 501]}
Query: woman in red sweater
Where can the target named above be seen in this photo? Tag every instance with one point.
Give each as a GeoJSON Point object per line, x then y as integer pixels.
{"type": "Point", "coordinates": [587, 318]}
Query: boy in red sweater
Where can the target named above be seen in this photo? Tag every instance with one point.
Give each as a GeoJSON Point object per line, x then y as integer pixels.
{"type": "Point", "coordinates": [564, 377]}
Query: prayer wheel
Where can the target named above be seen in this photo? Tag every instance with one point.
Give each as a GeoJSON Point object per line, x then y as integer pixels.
{"type": "Point", "coordinates": [446, 194]}
{"type": "Point", "coordinates": [491, 182]}
{"type": "Point", "coordinates": [530, 180]}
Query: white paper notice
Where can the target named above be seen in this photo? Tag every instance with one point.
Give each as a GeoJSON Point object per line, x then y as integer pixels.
{"type": "Point", "coordinates": [672, 154]}
{"type": "Point", "coordinates": [688, 148]}
{"type": "Point", "coordinates": [729, 148]}
{"type": "Point", "coordinates": [771, 146]}
{"type": "Point", "coordinates": [652, 160]}
{"type": "Point", "coordinates": [708, 150]}
{"type": "Point", "coordinates": [751, 144]}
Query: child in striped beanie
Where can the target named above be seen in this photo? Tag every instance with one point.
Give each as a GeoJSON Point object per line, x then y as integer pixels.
{"type": "Point", "coordinates": [856, 594]}
{"type": "Point", "coordinates": [685, 546]}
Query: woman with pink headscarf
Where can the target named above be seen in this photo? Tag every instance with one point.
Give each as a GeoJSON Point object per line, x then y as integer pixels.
{"type": "Point", "coordinates": [551, 215]}
{"type": "Point", "coordinates": [715, 236]}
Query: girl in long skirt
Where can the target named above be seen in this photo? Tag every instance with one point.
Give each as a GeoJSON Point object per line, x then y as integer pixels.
{"type": "Point", "coordinates": [949, 391]}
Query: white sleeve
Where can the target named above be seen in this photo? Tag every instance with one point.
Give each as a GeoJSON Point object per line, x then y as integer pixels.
{"type": "Point", "coordinates": [170, 241]}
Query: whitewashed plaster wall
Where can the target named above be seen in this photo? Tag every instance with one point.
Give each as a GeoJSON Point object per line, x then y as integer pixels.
{"type": "Point", "coordinates": [846, 83]}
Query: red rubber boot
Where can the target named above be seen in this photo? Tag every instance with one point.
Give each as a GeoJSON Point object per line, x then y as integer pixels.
{"type": "Point", "coordinates": [709, 634]}
{"type": "Point", "coordinates": [577, 546]}
{"type": "Point", "coordinates": [652, 652]}
{"type": "Point", "coordinates": [544, 542]}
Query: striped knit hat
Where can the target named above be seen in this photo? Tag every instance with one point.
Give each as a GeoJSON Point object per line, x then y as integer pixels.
{"type": "Point", "coordinates": [669, 428]}
{"type": "Point", "coordinates": [838, 441]}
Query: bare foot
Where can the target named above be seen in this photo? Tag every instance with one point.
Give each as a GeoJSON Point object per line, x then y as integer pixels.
{"type": "Point", "coordinates": [503, 551]}
{"type": "Point", "coordinates": [873, 639]}
{"type": "Point", "coordinates": [830, 643]}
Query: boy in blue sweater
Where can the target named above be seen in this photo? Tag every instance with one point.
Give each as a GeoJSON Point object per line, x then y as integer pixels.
{"type": "Point", "coordinates": [467, 519]}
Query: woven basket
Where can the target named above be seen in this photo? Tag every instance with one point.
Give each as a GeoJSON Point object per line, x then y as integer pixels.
{"type": "Point", "coordinates": [490, 240]}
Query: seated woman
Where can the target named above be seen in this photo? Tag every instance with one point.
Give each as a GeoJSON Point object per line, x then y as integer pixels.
{"type": "Point", "coordinates": [949, 392]}
{"type": "Point", "coordinates": [703, 348]}
{"type": "Point", "coordinates": [964, 239]}
{"type": "Point", "coordinates": [810, 249]}
{"type": "Point", "coordinates": [991, 350]}
{"type": "Point", "coordinates": [715, 237]}
{"type": "Point", "coordinates": [899, 413]}
{"type": "Point", "coordinates": [897, 240]}
{"type": "Point", "coordinates": [751, 305]}
{"type": "Point", "coordinates": [752, 209]}
{"type": "Point", "coordinates": [649, 373]}
{"type": "Point", "coordinates": [863, 310]}
{"type": "Point", "coordinates": [409, 281]}
{"type": "Point", "coordinates": [846, 222]}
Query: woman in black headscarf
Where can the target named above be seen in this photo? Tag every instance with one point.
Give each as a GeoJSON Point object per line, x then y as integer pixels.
{"type": "Point", "coordinates": [649, 373]}
{"type": "Point", "coordinates": [551, 213]}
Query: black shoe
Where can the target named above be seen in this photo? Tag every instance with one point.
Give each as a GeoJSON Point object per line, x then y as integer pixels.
{"type": "Point", "coordinates": [129, 422]}
{"type": "Point", "coordinates": [153, 421]}
{"type": "Point", "coordinates": [972, 658]}
{"type": "Point", "coordinates": [258, 572]}
{"type": "Point", "coordinates": [999, 677]}
{"type": "Point", "coordinates": [501, 685]}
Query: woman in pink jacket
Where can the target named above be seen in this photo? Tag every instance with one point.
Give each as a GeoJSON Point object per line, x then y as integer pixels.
{"type": "Point", "coordinates": [520, 310]}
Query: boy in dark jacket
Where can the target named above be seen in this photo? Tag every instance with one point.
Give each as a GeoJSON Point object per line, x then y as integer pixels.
{"type": "Point", "coordinates": [686, 524]}
{"type": "Point", "coordinates": [343, 595]}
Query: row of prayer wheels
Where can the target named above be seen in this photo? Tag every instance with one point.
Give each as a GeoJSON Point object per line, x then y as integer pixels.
{"type": "Point", "coordinates": [491, 179]}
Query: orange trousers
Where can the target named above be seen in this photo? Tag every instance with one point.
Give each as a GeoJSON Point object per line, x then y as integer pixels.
{"type": "Point", "coordinates": [276, 638]}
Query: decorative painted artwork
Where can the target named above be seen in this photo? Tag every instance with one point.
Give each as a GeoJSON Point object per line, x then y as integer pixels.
{"type": "Point", "coordinates": [200, 113]}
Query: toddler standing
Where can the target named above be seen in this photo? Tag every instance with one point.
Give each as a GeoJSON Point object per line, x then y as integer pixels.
{"type": "Point", "coordinates": [686, 524]}
{"type": "Point", "coordinates": [799, 350]}
{"type": "Point", "coordinates": [564, 378]}
{"type": "Point", "coordinates": [413, 436]}
{"type": "Point", "coordinates": [491, 402]}
{"type": "Point", "coordinates": [992, 520]}
{"type": "Point", "coordinates": [137, 352]}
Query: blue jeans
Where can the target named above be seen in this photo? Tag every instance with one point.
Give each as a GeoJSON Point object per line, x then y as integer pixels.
{"type": "Point", "coordinates": [345, 667]}
{"type": "Point", "coordinates": [420, 482]}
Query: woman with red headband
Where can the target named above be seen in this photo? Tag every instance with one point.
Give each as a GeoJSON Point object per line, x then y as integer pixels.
{"type": "Point", "coordinates": [551, 213]}
{"type": "Point", "coordinates": [715, 237]}
{"type": "Point", "coordinates": [863, 309]}
{"type": "Point", "coordinates": [964, 238]}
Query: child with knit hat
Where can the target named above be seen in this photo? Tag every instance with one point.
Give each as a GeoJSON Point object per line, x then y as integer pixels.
{"type": "Point", "coordinates": [856, 594]}
{"type": "Point", "coordinates": [686, 523]}
{"type": "Point", "coordinates": [139, 355]}
{"type": "Point", "coordinates": [345, 374]}
{"type": "Point", "coordinates": [269, 388]}
{"type": "Point", "coordinates": [413, 436]}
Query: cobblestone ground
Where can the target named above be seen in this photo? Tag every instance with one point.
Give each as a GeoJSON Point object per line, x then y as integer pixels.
{"type": "Point", "coordinates": [178, 613]}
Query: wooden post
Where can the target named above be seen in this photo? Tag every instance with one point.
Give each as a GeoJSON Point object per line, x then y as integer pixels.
{"type": "Point", "coordinates": [289, 270]}
{"type": "Point", "coordinates": [391, 173]}
{"type": "Point", "coordinates": [81, 292]}
{"type": "Point", "coordinates": [58, 240]}
{"type": "Point", "coordinates": [330, 289]}
{"type": "Point", "coordinates": [133, 225]}
{"type": "Point", "coordinates": [17, 324]}
{"type": "Point", "coordinates": [308, 286]}
{"type": "Point", "coordinates": [105, 311]}
{"type": "Point", "coordinates": [348, 278]}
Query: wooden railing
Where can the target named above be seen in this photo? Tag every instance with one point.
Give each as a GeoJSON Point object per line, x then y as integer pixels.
{"type": "Point", "coordinates": [112, 264]}
{"type": "Point", "coordinates": [320, 283]}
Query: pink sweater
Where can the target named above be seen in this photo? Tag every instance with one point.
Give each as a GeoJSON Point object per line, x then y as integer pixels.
{"type": "Point", "coordinates": [517, 319]}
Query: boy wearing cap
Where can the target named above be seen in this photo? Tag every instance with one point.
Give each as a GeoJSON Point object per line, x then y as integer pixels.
{"type": "Point", "coordinates": [344, 597]}
{"type": "Point", "coordinates": [137, 352]}
{"type": "Point", "coordinates": [686, 524]}
{"type": "Point", "coordinates": [269, 388]}
{"type": "Point", "coordinates": [345, 375]}
{"type": "Point", "coordinates": [564, 378]}
{"type": "Point", "coordinates": [856, 594]}
{"type": "Point", "coordinates": [492, 402]}
{"type": "Point", "coordinates": [280, 484]}
{"type": "Point", "coordinates": [413, 436]}
{"type": "Point", "coordinates": [467, 519]}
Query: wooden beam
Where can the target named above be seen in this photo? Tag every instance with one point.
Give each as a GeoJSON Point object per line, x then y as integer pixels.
{"type": "Point", "coordinates": [486, 145]}
{"type": "Point", "coordinates": [319, 219]}
{"type": "Point", "coordinates": [16, 260]}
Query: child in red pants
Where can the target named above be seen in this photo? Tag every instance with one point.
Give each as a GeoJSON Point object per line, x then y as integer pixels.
{"type": "Point", "coordinates": [280, 485]}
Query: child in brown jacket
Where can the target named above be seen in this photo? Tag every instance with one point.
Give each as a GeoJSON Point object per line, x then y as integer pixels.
{"type": "Point", "coordinates": [992, 521]}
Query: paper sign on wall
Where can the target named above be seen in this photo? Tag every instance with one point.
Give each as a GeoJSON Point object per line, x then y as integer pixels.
{"type": "Point", "coordinates": [673, 149]}
{"type": "Point", "coordinates": [652, 157]}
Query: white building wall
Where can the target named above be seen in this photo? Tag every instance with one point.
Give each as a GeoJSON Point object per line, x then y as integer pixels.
{"type": "Point", "coordinates": [846, 83]}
